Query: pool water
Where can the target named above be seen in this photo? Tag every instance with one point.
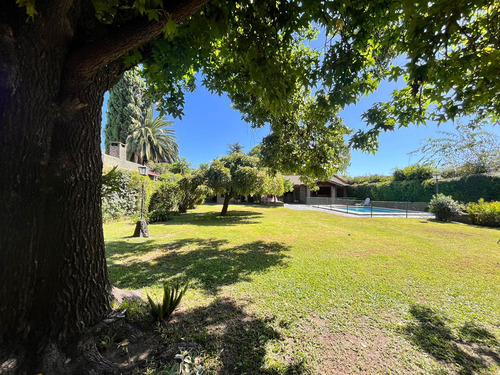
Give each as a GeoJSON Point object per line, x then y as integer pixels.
{"type": "Point", "coordinates": [369, 209]}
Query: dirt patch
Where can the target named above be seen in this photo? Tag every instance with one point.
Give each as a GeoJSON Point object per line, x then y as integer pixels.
{"type": "Point", "coordinates": [362, 348]}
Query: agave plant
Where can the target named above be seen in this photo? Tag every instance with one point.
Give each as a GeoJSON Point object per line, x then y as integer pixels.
{"type": "Point", "coordinates": [171, 298]}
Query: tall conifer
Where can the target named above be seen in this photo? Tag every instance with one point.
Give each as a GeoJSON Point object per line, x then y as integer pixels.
{"type": "Point", "coordinates": [127, 103]}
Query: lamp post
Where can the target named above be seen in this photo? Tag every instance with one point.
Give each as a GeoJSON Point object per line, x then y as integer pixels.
{"type": "Point", "coordinates": [141, 228]}
{"type": "Point", "coordinates": [437, 177]}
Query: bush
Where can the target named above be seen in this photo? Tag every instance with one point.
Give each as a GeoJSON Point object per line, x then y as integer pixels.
{"type": "Point", "coordinates": [118, 200]}
{"type": "Point", "coordinates": [484, 213]}
{"type": "Point", "coordinates": [122, 192]}
{"type": "Point", "coordinates": [413, 173]}
{"type": "Point", "coordinates": [444, 207]}
{"type": "Point", "coordinates": [166, 198]}
{"type": "Point", "coordinates": [159, 216]}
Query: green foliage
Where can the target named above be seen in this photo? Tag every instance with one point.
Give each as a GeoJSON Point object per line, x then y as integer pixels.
{"type": "Point", "coordinates": [484, 213]}
{"type": "Point", "coordinates": [369, 179]}
{"type": "Point", "coordinates": [180, 167]}
{"type": "Point", "coordinates": [127, 103]}
{"type": "Point", "coordinates": [193, 190]}
{"type": "Point", "coordinates": [171, 298]}
{"type": "Point", "coordinates": [465, 189]}
{"type": "Point", "coordinates": [167, 197]}
{"type": "Point", "coordinates": [260, 54]}
{"type": "Point", "coordinates": [177, 193]}
{"type": "Point", "coordinates": [152, 140]}
{"type": "Point", "coordinates": [234, 147]}
{"type": "Point", "coordinates": [118, 198]}
{"type": "Point", "coordinates": [158, 216]}
{"type": "Point", "coordinates": [444, 207]}
{"type": "Point", "coordinates": [413, 173]}
{"type": "Point", "coordinates": [468, 150]}
{"type": "Point", "coordinates": [287, 185]}
{"type": "Point", "coordinates": [122, 193]}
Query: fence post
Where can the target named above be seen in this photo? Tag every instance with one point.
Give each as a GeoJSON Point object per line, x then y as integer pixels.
{"type": "Point", "coordinates": [371, 210]}
{"type": "Point", "coordinates": [407, 203]}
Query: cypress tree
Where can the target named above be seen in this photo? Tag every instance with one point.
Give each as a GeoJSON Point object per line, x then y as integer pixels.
{"type": "Point", "coordinates": [127, 102]}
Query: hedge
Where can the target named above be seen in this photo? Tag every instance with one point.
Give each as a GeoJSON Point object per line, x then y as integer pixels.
{"type": "Point", "coordinates": [463, 189]}
{"type": "Point", "coordinates": [125, 193]}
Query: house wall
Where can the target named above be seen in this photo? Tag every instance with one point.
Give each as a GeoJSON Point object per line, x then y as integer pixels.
{"type": "Point", "coordinates": [110, 161]}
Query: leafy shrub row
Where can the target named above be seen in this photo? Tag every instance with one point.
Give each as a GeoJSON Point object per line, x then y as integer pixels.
{"type": "Point", "coordinates": [463, 189]}
{"type": "Point", "coordinates": [484, 213]}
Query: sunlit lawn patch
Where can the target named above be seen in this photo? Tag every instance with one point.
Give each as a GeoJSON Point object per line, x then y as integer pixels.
{"type": "Point", "coordinates": [277, 291]}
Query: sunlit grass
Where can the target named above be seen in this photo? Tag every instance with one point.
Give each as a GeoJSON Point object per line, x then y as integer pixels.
{"type": "Point", "coordinates": [320, 293]}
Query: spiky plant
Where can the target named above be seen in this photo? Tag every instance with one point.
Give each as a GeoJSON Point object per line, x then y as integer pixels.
{"type": "Point", "coordinates": [171, 298]}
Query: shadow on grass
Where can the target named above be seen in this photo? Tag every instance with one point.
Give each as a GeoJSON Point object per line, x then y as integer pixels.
{"type": "Point", "coordinates": [471, 349]}
{"type": "Point", "coordinates": [214, 218]}
{"type": "Point", "coordinates": [207, 262]}
{"type": "Point", "coordinates": [234, 342]}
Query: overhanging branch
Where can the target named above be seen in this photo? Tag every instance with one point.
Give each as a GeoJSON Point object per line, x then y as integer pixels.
{"type": "Point", "coordinates": [121, 40]}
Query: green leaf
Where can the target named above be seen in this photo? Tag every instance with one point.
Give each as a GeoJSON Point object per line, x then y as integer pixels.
{"type": "Point", "coordinates": [29, 5]}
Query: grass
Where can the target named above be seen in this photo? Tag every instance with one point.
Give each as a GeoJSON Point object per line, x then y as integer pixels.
{"type": "Point", "coordinates": [278, 291]}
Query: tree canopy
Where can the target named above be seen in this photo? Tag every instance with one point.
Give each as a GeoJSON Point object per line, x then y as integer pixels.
{"type": "Point", "coordinates": [259, 54]}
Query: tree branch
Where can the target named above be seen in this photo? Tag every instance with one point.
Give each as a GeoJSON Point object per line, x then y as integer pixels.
{"type": "Point", "coordinates": [126, 38]}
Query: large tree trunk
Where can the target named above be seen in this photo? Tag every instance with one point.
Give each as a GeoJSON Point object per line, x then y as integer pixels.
{"type": "Point", "coordinates": [54, 71]}
{"type": "Point", "coordinates": [53, 275]}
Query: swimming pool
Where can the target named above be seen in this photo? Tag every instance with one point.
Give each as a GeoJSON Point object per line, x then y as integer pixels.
{"type": "Point", "coordinates": [369, 209]}
{"type": "Point", "coordinates": [375, 211]}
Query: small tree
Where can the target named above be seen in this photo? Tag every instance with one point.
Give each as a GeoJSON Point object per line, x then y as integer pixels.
{"type": "Point", "coordinates": [235, 174]}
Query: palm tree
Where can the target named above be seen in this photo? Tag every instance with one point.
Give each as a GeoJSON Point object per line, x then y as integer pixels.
{"type": "Point", "coordinates": [153, 140]}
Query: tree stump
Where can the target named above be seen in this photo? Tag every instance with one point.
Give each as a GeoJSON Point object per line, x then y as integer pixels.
{"type": "Point", "coordinates": [141, 229]}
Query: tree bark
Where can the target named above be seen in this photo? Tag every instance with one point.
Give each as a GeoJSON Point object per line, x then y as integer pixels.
{"type": "Point", "coordinates": [53, 275]}
{"type": "Point", "coordinates": [227, 198]}
{"type": "Point", "coordinates": [53, 278]}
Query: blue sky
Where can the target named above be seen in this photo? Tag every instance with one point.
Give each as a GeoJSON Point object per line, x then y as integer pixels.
{"type": "Point", "coordinates": [210, 124]}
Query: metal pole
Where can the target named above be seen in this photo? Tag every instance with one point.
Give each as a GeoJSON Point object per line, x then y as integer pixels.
{"type": "Point", "coordinates": [371, 210]}
{"type": "Point", "coordinates": [407, 203]}
{"type": "Point", "coordinates": [142, 201]}
{"type": "Point", "coordinates": [437, 186]}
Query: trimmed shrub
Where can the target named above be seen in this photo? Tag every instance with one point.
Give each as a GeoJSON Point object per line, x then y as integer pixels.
{"type": "Point", "coordinates": [166, 198]}
{"type": "Point", "coordinates": [484, 213]}
{"type": "Point", "coordinates": [158, 216]}
{"type": "Point", "coordinates": [444, 207]}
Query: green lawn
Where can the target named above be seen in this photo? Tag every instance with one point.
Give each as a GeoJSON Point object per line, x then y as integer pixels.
{"type": "Point", "coordinates": [279, 291]}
